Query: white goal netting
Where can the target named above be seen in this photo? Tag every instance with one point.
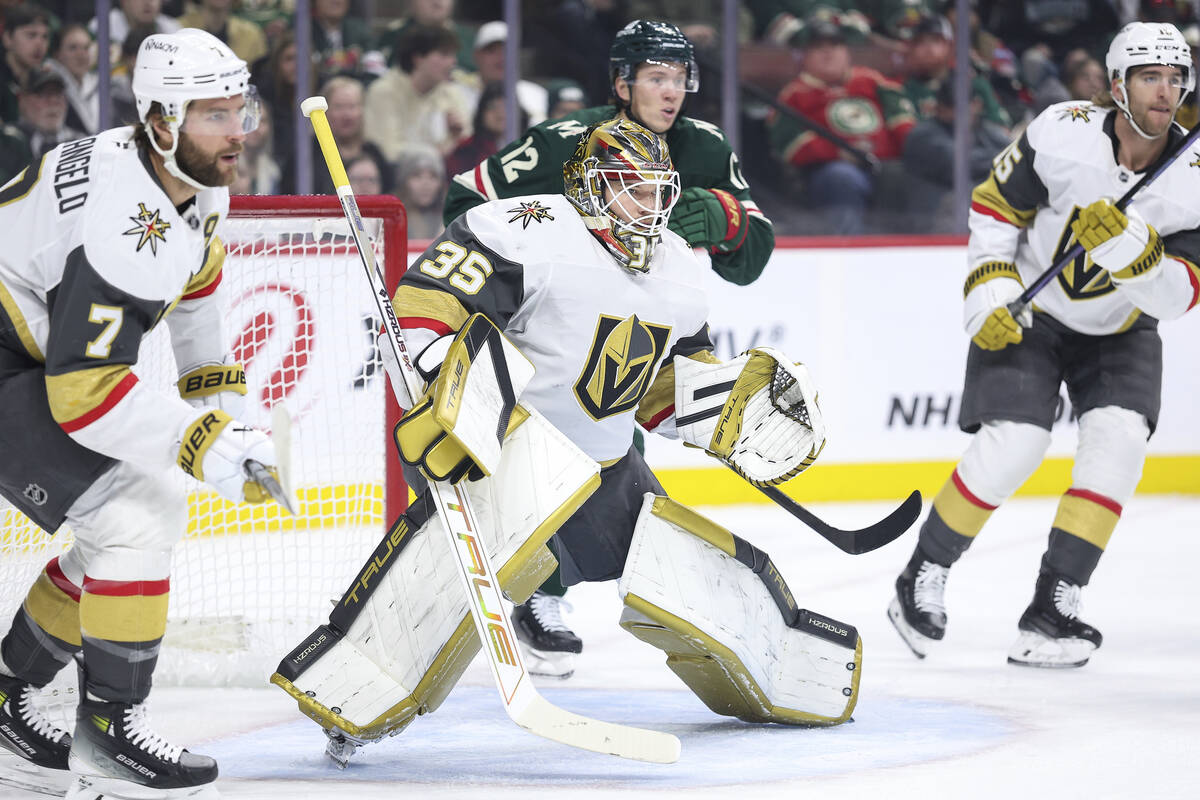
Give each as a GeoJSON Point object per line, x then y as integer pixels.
{"type": "Point", "coordinates": [248, 582]}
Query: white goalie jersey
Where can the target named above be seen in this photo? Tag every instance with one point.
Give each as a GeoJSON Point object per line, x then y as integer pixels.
{"type": "Point", "coordinates": [1021, 216]}
{"type": "Point", "coordinates": [589, 326]}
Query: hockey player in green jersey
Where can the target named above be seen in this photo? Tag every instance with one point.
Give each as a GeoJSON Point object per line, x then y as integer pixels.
{"type": "Point", "coordinates": [652, 67]}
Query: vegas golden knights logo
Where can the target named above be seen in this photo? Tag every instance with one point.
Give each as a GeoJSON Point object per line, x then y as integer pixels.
{"type": "Point", "coordinates": [621, 364]}
{"type": "Point", "coordinates": [1082, 279]}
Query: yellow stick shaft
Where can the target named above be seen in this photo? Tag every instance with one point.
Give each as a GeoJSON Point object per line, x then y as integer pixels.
{"type": "Point", "coordinates": [333, 159]}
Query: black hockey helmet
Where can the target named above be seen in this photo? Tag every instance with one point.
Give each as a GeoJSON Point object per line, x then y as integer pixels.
{"type": "Point", "coordinates": [649, 40]}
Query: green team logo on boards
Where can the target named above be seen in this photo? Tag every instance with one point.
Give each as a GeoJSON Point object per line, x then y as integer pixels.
{"type": "Point", "coordinates": [853, 115]}
{"type": "Point", "coordinates": [1082, 279]}
{"type": "Point", "coordinates": [620, 365]}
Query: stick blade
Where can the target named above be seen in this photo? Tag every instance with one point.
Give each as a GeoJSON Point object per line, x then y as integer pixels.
{"type": "Point", "coordinates": [547, 720]}
{"type": "Point", "coordinates": [888, 529]}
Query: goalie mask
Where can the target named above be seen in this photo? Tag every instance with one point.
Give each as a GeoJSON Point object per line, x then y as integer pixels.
{"type": "Point", "coordinates": [621, 180]}
{"type": "Point", "coordinates": [1141, 44]}
{"type": "Point", "coordinates": [174, 69]}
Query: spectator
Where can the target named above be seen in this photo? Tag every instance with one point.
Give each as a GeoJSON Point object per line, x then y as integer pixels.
{"type": "Point", "coordinates": [364, 175]}
{"type": "Point", "coordinates": [420, 185]}
{"type": "Point", "coordinates": [1061, 26]}
{"type": "Point", "coordinates": [342, 44]}
{"type": "Point", "coordinates": [1085, 78]}
{"type": "Point", "coordinates": [490, 59]}
{"type": "Point", "coordinates": [124, 106]}
{"type": "Point", "coordinates": [855, 102]}
{"type": "Point", "coordinates": [258, 172]}
{"type": "Point", "coordinates": [488, 126]}
{"type": "Point", "coordinates": [135, 13]}
{"type": "Point", "coordinates": [43, 112]}
{"type": "Point", "coordinates": [26, 38]}
{"type": "Point", "coordinates": [564, 97]}
{"type": "Point", "coordinates": [275, 78]}
{"type": "Point", "coordinates": [345, 115]}
{"type": "Point", "coordinates": [274, 17]}
{"type": "Point", "coordinates": [929, 160]}
{"type": "Point", "coordinates": [244, 38]}
{"type": "Point", "coordinates": [14, 153]}
{"type": "Point", "coordinates": [572, 37]}
{"type": "Point", "coordinates": [434, 13]}
{"type": "Point", "coordinates": [71, 51]}
{"type": "Point", "coordinates": [929, 55]}
{"type": "Point", "coordinates": [415, 101]}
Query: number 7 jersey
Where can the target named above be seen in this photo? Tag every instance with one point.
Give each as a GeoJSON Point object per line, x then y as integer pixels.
{"type": "Point", "coordinates": [1065, 160]}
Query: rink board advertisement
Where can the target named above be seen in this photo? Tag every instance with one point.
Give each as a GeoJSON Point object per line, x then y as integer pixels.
{"type": "Point", "coordinates": [881, 330]}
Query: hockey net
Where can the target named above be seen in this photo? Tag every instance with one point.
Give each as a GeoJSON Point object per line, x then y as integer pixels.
{"type": "Point", "coordinates": [248, 582]}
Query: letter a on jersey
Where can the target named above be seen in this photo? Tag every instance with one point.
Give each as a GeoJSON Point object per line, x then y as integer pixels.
{"type": "Point", "coordinates": [620, 364]}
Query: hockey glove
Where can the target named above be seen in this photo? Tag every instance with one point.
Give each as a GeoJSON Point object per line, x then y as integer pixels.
{"type": "Point", "coordinates": [215, 448]}
{"type": "Point", "coordinates": [1120, 242]}
{"type": "Point", "coordinates": [987, 292]}
{"type": "Point", "coordinates": [220, 386]}
{"type": "Point", "coordinates": [766, 425]}
{"type": "Point", "coordinates": [710, 218]}
{"type": "Point", "coordinates": [457, 428]}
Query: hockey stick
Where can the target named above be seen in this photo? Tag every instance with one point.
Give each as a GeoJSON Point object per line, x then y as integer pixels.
{"type": "Point", "coordinates": [522, 702]}
{"type": "Point", "coordinates": [1018, 305]}
{"type": "Point", "coordinates": [857, 542]}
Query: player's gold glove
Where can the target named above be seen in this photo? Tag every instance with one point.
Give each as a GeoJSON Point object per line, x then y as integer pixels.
{"type": "Point", "coordinates": [1118, 241]}
{"type": "Point", "coordinates": [999, 330]}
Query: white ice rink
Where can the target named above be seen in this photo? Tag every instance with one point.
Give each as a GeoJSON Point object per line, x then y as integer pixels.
{"type": "Point", "coordinates": [961, 724]}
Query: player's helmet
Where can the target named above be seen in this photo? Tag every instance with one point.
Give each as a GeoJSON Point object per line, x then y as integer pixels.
{"type": "Point", "coordinates": [1148, 43]}
{"type": "Point", "coordinates": [645, 40]}
{"type": "Point", "coordinates": [621, 180]}
{"type": "Point", "coordinates": [173, 69]}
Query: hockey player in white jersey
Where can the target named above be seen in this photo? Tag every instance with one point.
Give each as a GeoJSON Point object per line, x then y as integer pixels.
{"type": "Point", "coordinates": [106, 237]}
{"type": "Point", "coordinates": [1094, 328]}
{"type": "Point", "coordinates": [582, 313]}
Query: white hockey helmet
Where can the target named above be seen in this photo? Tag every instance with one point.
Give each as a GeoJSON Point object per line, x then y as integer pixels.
{"type": "Point", "coordinates": [1148, 43]}
{"type": "Point", "coordinates": [173, 69]}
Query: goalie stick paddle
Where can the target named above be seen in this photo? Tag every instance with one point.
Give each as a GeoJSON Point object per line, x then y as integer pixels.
{"type": "Point", "coordinates": [857, 542]}
{"type": "Point", "coordinates": [522, 702]}
{"type": "Point", "coordinates": [1018, 305]}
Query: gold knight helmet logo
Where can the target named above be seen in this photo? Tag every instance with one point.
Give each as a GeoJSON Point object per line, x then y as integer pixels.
{"type": "Point", "coordinates": [620, 365]}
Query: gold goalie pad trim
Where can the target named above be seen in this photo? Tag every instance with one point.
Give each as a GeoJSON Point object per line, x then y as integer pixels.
{"type": "Point", "coordinates": [720, 610]}
{"type": "Point", "coordinates": [401, 637]}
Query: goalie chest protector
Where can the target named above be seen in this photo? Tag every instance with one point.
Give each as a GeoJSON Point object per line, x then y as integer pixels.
{"type": "Point", "coordinates": [596, 332]}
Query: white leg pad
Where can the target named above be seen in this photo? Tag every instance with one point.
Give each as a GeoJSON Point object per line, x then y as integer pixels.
{"type": "Point", "coordinates": [730, 626]}
{"type": "Point", "coordinates": [401, 636]}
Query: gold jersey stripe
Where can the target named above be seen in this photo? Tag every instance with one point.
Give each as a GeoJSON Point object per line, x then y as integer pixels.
{"type": "Point", "coordinates": [123, 618]}
{"type": "Point", "coordinates": [54, 611]}
{"type": "Point", "coordinates": [1087, 519]}
{"type": "Point", "coordinates": [19, 324]}
{"type": "Point", "coordinates": [988, 195]}
{"type": "Point", "coordinates": [414, 302]}
{"type": "Point", "coordinates": [210, 272]}
{"type": "Point", "coordinates": [77, 394]}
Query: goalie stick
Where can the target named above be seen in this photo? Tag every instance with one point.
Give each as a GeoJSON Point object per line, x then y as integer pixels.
{"type": "Point", "coordinates": [521, 700]}
{"type": "Point", "coordinates": [1018, 305]}
{"type": "Point", "coordinates": [857, 542]}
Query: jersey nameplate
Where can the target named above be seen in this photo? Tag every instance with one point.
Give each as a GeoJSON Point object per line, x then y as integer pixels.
{"type": "Point", "coordinates": [72, 173]}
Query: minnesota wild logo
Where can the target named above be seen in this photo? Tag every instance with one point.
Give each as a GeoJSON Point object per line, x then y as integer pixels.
{"type": "Point", "coordinates": [1077, 112]}
{"type": "Point", "coordinates": [150, 228]}
{"type": "Point", "coordinates": [526, 213]}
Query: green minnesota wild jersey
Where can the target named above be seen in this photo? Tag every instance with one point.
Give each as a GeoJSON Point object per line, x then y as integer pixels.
{"type": "Point", "coordinates": [533, 164]}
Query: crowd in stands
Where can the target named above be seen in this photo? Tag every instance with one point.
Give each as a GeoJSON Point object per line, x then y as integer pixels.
{"type": "Point", "coordinates": [416, 93]}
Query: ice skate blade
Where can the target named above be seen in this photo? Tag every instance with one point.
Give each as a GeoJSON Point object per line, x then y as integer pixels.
{"type": "Point", "coordinates": [92, 787]}
{"type": "Point", "coordinates": [548, 664]}
{"type": "Point", "coordinates": [16, 771]}
{"type": "Point", "coordinates": [1038, 650]}
{"type": "Point", "coordinates": [917, 642]}
{"type": "Point", "coordinates": [340, 749]}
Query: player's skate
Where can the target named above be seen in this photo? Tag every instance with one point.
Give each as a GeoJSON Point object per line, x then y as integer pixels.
{"type": "Point", "coordinates": [549, 645]}
{"type": "Point", "coordinates": [33, 751]}
{"type": "Point", "coordinates": [1052, 634]}
{"type": "Point", "coordinates": [116, 756]}
{"type": "Point", "coordinates": [918, 610]}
